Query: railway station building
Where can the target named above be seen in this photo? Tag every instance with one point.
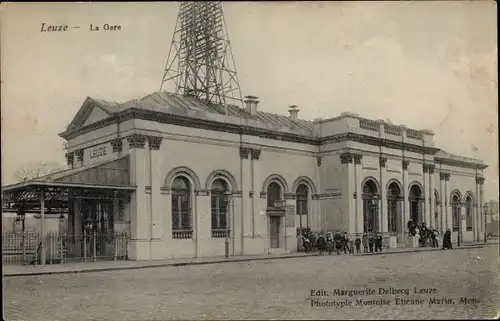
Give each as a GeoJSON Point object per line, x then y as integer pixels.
{"type": "Point", "coordinates": [179, 174]}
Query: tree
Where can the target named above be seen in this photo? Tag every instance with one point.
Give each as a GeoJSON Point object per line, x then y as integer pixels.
{"type": "Point", "coordinates": [36, 169]}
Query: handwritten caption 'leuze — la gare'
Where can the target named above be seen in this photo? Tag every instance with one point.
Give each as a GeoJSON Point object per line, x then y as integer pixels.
{"type": "Point", "coordinates": [45, 27]}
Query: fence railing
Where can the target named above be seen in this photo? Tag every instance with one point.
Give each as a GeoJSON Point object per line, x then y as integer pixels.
{"type": "Point", "coordinates": [25, 248]}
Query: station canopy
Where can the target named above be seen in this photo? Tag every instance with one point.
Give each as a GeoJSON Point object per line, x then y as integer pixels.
{"type": "Point", "coordinates": [102, 181]}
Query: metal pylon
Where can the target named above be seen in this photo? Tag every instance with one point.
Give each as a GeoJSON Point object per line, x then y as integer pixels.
{"type": "Point", "coordinates": [200, 62]}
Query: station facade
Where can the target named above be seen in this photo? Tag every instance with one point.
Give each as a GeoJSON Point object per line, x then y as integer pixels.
{"type": "Point", "coordinates": [200, 171]}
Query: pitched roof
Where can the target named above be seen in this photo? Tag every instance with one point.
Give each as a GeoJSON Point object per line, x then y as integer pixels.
{"type": "Point", "coordinates": [180, 104]}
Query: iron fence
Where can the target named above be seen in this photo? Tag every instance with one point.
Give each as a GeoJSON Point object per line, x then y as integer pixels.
{"type": "Point", "coordinates": [25, 248]}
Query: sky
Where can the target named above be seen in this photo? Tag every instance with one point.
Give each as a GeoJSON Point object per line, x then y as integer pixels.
{"type": "Point", "coordinates": [429, 65]}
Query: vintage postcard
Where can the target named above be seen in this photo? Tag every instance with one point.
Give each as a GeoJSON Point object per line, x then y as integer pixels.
{"type": "Point", "coordinates": [250, 160]}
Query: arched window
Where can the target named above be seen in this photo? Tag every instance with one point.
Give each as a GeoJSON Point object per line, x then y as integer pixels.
{"type": "Point", "coordinates": [468, 213]}
{"type": "Point", "coordinates": [302, 199]}
{"type": "Point", "coordinates": [219, 208]}
{"type": "Point", "coordinates": [393, 197]}
{"type": "Point", "coordinates": [273, 194]}
{"type": "Point", "coordinates": [455, 207]}
{"type": "Point", "coordinates": [415, 199]}
{"type": "Point", "coordinates": [302, 204]}
{"type": "Point", "coordinates": [370, 206]}
{"type": "Point", "coordinates": [181, 209]}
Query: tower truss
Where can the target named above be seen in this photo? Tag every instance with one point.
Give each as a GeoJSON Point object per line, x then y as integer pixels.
{"type": "Point", "coordinates": [200, 62]}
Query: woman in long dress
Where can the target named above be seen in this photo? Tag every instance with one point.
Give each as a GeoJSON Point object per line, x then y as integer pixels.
{"type": "Point", "coordinates": [447, 239]}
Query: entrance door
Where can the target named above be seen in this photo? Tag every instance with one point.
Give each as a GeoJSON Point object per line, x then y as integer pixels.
{"type": "Point", "coordinates": [100, 213]}
{"type": "Point", "coordinates": [275, 231]}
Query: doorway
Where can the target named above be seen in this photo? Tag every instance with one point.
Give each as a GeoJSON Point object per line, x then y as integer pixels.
{"type": "Point", "coordinates": [100, 214]}
{"type": "Point", "coordinates": [275, 231]}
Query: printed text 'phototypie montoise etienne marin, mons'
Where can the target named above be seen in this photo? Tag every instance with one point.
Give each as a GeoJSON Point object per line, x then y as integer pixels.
{"type": "Point", "coordinates": [396, 296]}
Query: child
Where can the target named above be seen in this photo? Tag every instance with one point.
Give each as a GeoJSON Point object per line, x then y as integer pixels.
{"type": "Point", "coordinates": [357, 243]}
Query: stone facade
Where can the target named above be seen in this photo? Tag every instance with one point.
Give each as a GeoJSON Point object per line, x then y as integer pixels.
{"type": "Point", "coordinates": [347, 173]}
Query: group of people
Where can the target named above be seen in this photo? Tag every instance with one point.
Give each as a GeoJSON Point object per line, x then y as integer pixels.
{"type": "Point", "coordinates": [368, 242]}
{"type": "Point", "coordinates": [427, 236]}
{"type": "Point", "coordinates": [340, 242]}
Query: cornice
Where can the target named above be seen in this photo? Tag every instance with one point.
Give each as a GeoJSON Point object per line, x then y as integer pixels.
{"type": "Point", "coordinates": [459, 163]}
{"type": "Point", "coordinates": [186, 121]}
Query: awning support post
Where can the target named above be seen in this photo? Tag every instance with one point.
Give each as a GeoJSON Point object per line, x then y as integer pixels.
{"type": "Point", "coordinates": [42, 228]}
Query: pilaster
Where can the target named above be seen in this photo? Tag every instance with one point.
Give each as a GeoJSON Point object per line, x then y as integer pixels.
{"type": "Point", "coordinates": [444, 204]}
{"type": "Point", "coordinates": [359, 195]}
{"type": "Point", "coordinates": [383, 217]}
{"type": "Point", "coordinates": [426, 205]}
{"type": "Point", "coordinates": [247, 192]}
{"type": "Point", "coordinates": [157, 214]}
{"type": "Point", "coordinates": [257, 182]}
{"type": "Point", "coordinates": [432, 198]}
{"type": "Point", "coordinates": [237, 222]}
{"type": "Point", "coordinates": [202, 223]}
{"type": "Point", "coordinates": [140, 220]}
{"type": "Point", "coordinates": [448, 209]}
{"type": "Point", "coordinates": [482, 219]}
{"type": "Point", "coordinates": [166, 202]}
{"type": "Point", "coordinates": [346, 161]}
{"type": "Point", "coordinates": [405, 205]}
{"type": "Point", "coordinates": [478, 212]}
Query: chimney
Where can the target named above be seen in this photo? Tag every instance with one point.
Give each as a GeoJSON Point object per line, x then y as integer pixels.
{"type": "Point", "coordinates": [251, 105]}
{"type": "Point", "coordinates": [293, 110]}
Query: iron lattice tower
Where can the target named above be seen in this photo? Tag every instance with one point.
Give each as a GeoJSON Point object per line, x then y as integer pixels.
{"type": "Point", "coordinates": [200, 62]}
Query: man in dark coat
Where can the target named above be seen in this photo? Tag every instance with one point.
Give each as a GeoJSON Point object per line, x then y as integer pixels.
{"type": "Point", "coordinates": [321, 244]}
{"type": "Point", "coordinates": [345, 243]}
{"type": "Point", "coordinates": [338, 242]}
{"type": "Point", "coordinates": [371, 242]}
{"type": "Point", "coordinates": [378, 242]}
{"type": "Point", "coordinates": [447, 240]}
{"type": "Point", "coordinates": [410, 227]}
{"type": "Point", "coordinates": [357, 243]}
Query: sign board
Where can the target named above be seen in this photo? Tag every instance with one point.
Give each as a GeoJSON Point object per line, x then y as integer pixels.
{"type": "Point", "coordinates": [98, 154]}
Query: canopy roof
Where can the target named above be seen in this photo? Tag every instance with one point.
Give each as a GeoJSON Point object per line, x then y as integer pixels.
{"type": "Point", "coordinates": [105, 180]}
